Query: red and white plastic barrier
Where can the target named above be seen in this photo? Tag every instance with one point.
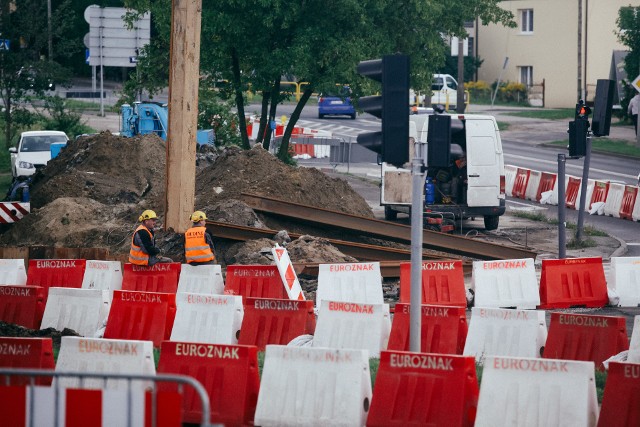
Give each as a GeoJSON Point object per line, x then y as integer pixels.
{"type": "Point", "coordinates": [602, 197]}
{"type": "Point", "coordinates": [11, 212]}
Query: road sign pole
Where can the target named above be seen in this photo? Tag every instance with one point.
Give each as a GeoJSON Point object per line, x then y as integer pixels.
{"type": "Point", "coordinates": [415, 306]}
{"type": "Point", "coordinates": [562, 237]}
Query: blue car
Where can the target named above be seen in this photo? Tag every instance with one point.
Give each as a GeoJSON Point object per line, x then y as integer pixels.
{"type": "Point", "coordinates": [336, 103]}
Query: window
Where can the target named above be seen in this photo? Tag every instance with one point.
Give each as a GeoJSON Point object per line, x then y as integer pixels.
{"type": "Point", "coordinates": [526, 20]}
{"type": "Point", "coordinates": [526, 75]}
{"type": "Point", "coordinates": [470, 43]}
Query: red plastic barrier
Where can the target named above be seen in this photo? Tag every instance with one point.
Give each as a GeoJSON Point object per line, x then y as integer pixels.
{"type": "Point", "coordinates": [520, 183]}
{"type": "Point", "coordinates": [61, 273]}
{"type": "Point", "coordinates": [168, 409]}
{"type": "Point", "coordinates": [628, 202]}
{"type": "Point", "coordinates": [600, 192]}
{"type": "Point", "coordinates": [443, 329]}
{"type": "Point", "coordinates": [157, 278]}
{"type": "Point", "coordinates": [26, 353]}
{"type": "Point", "coordinates": [83, 407]}
{"type": "Point", "coordinates": [585, 337]}
{"type": "Point", "coordinates": [229, 373]}
{"type": "Point", "coordinates": [621, 399]}
{"type": "Point", "coordinates": [22, 305]}
{"type": "Point", "coordinates": [547, 182]}
{"type": "Point", "coordinates": [573, 282]}
{"type": "Point", "coordinates": [145, 316]}
{"type": "Point", "coordinates": [442, 283]}
{"type": "Point", "coordinates": [275, 321]}
{"type": "Point", "coordinates": [255, 281]}
{"type": "Point", "coordinates": [573, 189]}
{"type": "Point", "coordinates": [13, 405]}
{"type": "Point", "coordinates": [420, 389]}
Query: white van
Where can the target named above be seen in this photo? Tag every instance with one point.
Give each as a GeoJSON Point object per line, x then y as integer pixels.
{"type": "Point", "coordinates": [471, 185]}
{"type": "Point", "coordinates": [34, 151]}
{"type": "Point", "coordinates": [444, 92]}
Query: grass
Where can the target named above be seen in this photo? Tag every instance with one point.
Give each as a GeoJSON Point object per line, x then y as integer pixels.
{"type": "Point", "coordinates": [547, 114]}
{"type": "Point", "coordinates": [503, 125]}
{"type": "Point", "coordinates": [606, 145]}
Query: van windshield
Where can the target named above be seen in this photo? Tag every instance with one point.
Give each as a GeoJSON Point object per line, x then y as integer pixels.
{"type": "Point", "coordinates": [40, 143]}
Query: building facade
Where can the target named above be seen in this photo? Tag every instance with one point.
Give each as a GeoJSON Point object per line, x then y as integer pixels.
{"type": "Point", "coordinates": [568, 44]}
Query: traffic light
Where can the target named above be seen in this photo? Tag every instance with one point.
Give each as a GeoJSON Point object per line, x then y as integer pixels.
{"type": "Point", "coordinates": [602, 107]}
{"type": "Point", "coordinates": [578, 130]}
{"type": "Point", "coordinates": [392, 143]}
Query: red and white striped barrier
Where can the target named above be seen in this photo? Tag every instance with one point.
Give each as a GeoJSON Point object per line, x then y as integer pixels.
{"type": "Point", "coordinates": [11, 212]}
{"type": "Point", "coordinates": [602, 197]}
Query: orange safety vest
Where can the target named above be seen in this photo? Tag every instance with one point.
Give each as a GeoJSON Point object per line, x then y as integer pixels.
{"type": "Point", "coordinates": [138, 253]}
{"type": "Point", "coordinates": [196, 248]}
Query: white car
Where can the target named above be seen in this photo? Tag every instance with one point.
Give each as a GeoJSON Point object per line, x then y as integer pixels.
{"type": "Point", "coordinates": [34, 151]}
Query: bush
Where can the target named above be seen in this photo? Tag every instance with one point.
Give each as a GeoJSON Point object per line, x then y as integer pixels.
{"type": "Point", "coordinates": [478, 91]}
{"type": "Point", "coordinates": [217, 114]}
{"type": "Point", "coordinates": [60, 118]}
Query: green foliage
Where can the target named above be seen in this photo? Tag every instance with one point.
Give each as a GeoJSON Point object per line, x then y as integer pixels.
{"type": "Point", "coordinates": [628, 33]}
{"type": "Point", "coordinates": [471, 65]}
{"type": "Point", "coordinates": [479, 91]}
{"type": "Point", "coordinates": [374, 364]}
{"type": "Point", "coordinates": [601, 379]}
{"type": "Point", "coordinates": [217, 114]}
{"type": "Point", "coordinates": [512, 92]}
{"type": "Point", "coordinates": [58, 117]}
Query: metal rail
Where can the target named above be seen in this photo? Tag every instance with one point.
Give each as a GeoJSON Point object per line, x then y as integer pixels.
{"type": "Point", "coordinates": [361, 251]}
{"type": "Point", "coordinates": [180, 381]}
{"type": "Point", "coordinates": [383, 229]}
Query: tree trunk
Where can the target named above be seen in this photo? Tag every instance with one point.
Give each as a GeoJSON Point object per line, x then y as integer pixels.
{"type": "Point", "coordinates": [8, 122]}
{"type": "Point", "coordinates": [275, 95]}
{"type": "Point", "coordinates": [237, 87]}
{"type": "Point", "coordinates": [283, 152]}
{"type": "Point", "coordinates": [263, 118]}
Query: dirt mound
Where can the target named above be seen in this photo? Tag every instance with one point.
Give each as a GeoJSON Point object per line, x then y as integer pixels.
{"type": "Point", "coordinates": [10, 330]}
{"type": "Point", "coordinates": [92, 193]}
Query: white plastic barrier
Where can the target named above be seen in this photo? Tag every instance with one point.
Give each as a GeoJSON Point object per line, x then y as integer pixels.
{"type": "Point", "coordinates": [99, 355]}
{"type": "Point", "coordinates": [314, 387]}
{"type": "Point", "coordinates": [359, 282]}
{"type": "Point", "coordinates": [211, 319]}
{"type": "Point", "coordinates": [634, 346]}
{"type": "Point", "coordinates": [105, 275]}
{"type": "Point", "coordinates": [112, 408]}
{"type": "Point", "coordinates": [82, 310]}
{"type": "Point", "coordinates": [614, 200]}
{"type": "Point", "coordinates": [501, 332]}
{"type": "Point", "coordinates": [201, 279]}
{"type": "Point", "coordinates": [532, 186]}
{"type": "Point", "coordinates": [590, 186]}
{"type": "Point", "coordinates": [625, 273]}
{"type": "Point", "coordinates": [537, 392]}
{"type": "Point", "coordinates": [510, 173]}
{"type": "Point", "coordinates": [505, 283]}
{"type": "Point", "coordinates": [12, 272]}
{"type": "Point", "coordinates": [353, 325]}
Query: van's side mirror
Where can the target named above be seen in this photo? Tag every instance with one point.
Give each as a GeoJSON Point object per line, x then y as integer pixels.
{"type": "Point", "coordinates": [13, 150]}
{"type": "Point", "coordinates": [379, 159]}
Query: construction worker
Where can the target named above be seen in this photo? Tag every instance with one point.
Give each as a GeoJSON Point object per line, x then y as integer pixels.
{"type": "Point", "coordinates": [143, 243]}
{"type": "Point", "coordinates": [198, 243]}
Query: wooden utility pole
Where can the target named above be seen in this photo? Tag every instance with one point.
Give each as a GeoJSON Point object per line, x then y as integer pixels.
{"type": "Point", "coordinates": [184, 74]}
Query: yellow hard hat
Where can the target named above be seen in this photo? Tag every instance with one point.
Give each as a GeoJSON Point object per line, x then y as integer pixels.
{"type": "Point", "coordinates": [198, 216]}
{"type": "Point", "coordinates": [148, 214]}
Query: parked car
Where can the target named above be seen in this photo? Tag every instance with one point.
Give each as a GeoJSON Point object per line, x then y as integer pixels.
{"type": "Point", "coordinates": [34, 151]}
{"type": "Point", "coordinates": [336, 103]}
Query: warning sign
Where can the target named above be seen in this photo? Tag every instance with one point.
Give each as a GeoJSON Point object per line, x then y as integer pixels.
{"type": "Point", "coordinates": [289, 277]}
{"type": "Point", "coordinates": [636, 83]}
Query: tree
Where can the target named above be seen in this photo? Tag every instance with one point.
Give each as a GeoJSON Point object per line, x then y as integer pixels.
{"type": "Point", "coordinates": [629, 35]}
{"type": "Point", "coordinates": [320, 42]}
{"type": "Point", "coordinates": [24, 69]}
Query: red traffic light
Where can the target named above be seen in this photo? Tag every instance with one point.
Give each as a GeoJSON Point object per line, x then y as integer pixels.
{"type": "Point", "coordinates": [582, 111]}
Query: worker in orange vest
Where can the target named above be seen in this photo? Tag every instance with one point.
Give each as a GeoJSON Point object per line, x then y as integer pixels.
{"type": "Point", "coordinates": [198, 243]}
{"type": "Point", "coordinates": [143, 243]}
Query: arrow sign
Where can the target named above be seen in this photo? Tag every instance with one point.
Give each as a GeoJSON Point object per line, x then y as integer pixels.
{"type": "Point", "coordinates": [4, 44]}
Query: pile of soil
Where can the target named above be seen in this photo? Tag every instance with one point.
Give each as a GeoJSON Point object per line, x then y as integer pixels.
{"type": "Point", "coordinates": [92, 193]}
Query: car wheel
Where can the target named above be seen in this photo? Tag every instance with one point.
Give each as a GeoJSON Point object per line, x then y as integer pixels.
{"type": "Point", "coordinates": [491, 222]}
{"type": "Point", "coordinates": [390, 214]}
{"type": "Point", "coordinates": [320, 116]}
{"type": "Point", "coordinates": [353, 116]}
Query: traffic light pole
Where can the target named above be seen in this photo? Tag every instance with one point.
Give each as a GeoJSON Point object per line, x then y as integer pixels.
{"type": "Point", "coordinates": [583, 188]}
{"type": "Point", "coordinates": [417, 207]}
{"type": "Point", "coordinates": [562, 237]}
